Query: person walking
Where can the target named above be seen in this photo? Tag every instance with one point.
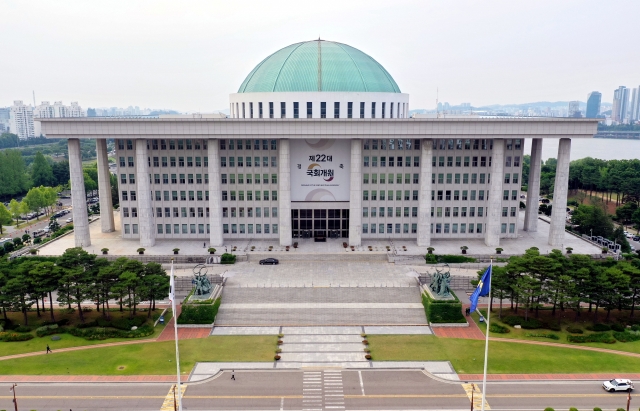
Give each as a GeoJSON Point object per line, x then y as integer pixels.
{"type": "Point", "coordinates": [48, 349]}
{"type": "Point", "coordinates": [233, 375]}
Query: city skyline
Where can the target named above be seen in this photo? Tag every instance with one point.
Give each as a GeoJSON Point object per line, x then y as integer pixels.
{"type": "Point", "coordinates": [195, 62]}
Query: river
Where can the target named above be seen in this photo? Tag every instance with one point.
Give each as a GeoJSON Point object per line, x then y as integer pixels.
{"type": "Point", "coordinates": [602, 148]}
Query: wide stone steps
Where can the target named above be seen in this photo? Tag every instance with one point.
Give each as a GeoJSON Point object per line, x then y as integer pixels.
{"type": "Point", "coordinates": [236, 295]}
{"type": "Point", "coordinates": [320, 316]}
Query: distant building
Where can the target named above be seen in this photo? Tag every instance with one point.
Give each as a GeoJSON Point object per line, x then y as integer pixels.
{"type": "Point", "coordinates": [574, 109]}
{"type": "Point", "coordinates": [634, 112]}
{"type": "Point", "coordinates": [593, 104]}
{"type": "Point", "coordinates": [620, 104]}
{"type": "Point", "coordinates": [5, 115]}
{"type": "Point", "coordinates": [57, 110]}
{"type": "Point", "coordinates": [21, 120]}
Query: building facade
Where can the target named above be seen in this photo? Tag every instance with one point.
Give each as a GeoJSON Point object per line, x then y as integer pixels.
{"type": "Point", "coordinates": [21, 120]}
{"type": "Point", "coordinates": [319, 145]}
{"type": "Point", "coordinates": [593, 104]}
{"type": "Point", "coordinates": [619, 111]}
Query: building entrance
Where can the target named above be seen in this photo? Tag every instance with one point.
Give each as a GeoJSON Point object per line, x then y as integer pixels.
{"type": "Point", "coordinates": [332, 223]}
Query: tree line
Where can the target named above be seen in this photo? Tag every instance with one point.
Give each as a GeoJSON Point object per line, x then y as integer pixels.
{"type": "Point", "coordinates": [566, 282]}
{"type": "Point", "coordinates": [77, 277]}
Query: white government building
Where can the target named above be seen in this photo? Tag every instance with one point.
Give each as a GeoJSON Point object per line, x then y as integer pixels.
{"type": "Point", "coordinates": [319, 144]}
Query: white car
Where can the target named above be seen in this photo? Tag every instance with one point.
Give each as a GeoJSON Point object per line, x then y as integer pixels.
{"type": "Point", "coordinates": [618, 384]}
{"type": "Point", "coordinates": [69, 220]}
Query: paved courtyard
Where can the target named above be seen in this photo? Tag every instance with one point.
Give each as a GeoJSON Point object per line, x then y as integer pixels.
{"type": "Point", "coordinates": [119, 246]}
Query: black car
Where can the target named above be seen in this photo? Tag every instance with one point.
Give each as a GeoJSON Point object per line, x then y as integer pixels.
{"type": "Point", "coordinates": [636, 238]}
{"type": "Point", "coordinates": [269, 261]}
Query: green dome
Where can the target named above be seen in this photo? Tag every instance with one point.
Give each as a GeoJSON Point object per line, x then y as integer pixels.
{"type": "Point", "coordinates": [319, 65]}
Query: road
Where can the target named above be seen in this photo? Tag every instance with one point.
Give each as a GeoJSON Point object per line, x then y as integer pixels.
{"type": "Point", "coordinates": [330, 389]}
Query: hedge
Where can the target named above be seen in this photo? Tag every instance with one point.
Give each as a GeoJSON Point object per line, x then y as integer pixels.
{"type": "Point", "coordinates": [625, 336]}
{"type": "Point", "coordinates": [104, 333]}
{"type": "Point", "coordinates": [227, 258]}
{"type": "Point", "coordinates": [448, 258]}
{"type": "Point", "coordinates": [199, 313]}
{"type": "Point", "coordinates": [596, 337]}
{"type": "Point", "coordinates": [598, 327]}
{"type": "Point", "coordinates": [47, 330]}
{"type": "Point", "coordinates": [574, 330]}
{"type": "Point", "coordinates": [439, 311]}
{"type": "Point", "coordinates": [13, 337]}
{"type": "Point", "coordinates": [499, 329]}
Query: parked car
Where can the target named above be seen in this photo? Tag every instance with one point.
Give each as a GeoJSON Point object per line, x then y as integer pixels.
{"type": "Point", "coordinates": [636, 238]}
{"type": "Point", "coordinates": [618, 384]}
{"type": "Point", "coordinates": [70, 220]}
{"type": "Point", "coordinates": [271, 261]}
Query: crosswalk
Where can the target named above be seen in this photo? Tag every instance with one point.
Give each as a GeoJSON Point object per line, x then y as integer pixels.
{"type": "Point", "coordinates": [476, 397]}
{"type": "Point", "coordinates": [322, 390]}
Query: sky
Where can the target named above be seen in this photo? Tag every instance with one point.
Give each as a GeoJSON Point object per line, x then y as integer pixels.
{"type": "Point", "coordinates": [190, 55]}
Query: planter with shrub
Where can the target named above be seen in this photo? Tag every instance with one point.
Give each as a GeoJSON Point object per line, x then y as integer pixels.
{"type": "Point", "coordinates": [176, 250]}
{"type": "Point", "coordinates": [227, 258]}
{"type": "Point", "coordinates": [211, 250]}
{"type": "Point", "coordinates": [499, 250]}
{"type": "Point", "coordinates": [569, 250]}
{"type": "Point", "coordinates": [430, 250]}
{"type": "Point", "coordinates": [464, 249]}
{"type": "Point", "coordinates": [140, 250]}
{"type": "Point", "coordinates": [105, 251]}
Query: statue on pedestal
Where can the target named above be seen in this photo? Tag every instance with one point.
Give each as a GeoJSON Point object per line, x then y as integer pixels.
{"type": "Point", "coordinates": [440, 282]}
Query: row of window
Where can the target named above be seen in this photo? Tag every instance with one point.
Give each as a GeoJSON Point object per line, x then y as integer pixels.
{"type": "Point", "coordinates": [400, 195]}
{"type": "Point", "coordinates": [384, 180]}
{"type": "Point", "coordinates": [248, 144]}
{"type": "Point", "coordinates": [465, 178]}
{"type": "Point", "coordinates": [163, 144]}
{"type": "Point", "coordinates": [391, 144]}
{"type": "Point", "coordinates": [170, 161]}
{"type": "Point", "coordinates": [234, 228]}
{"type": "Point", "coordinates": [171, 212]}
{"type": "Point", "coordinates": [249, 179]}
{"type": "Point", "coordinates": [242, 163]}
{"type": "Point", "coordinates": [453, 228]}
{"type": "Point", "coordinates": [462, 211]}
{"type": "Point", "coordinates": [471, 161]}
{"type": "Point", "coordinates": [259, 212]}
{"type": "Point", "coordinates": [366, 229]}
{"type": "Point", "coordinates": [473, 144]}
{"type": "Point", "coordinates": [231, 195]}
{"type": "Point", "coordinates": [392, 161]}
{"type": "Point", "coordinates": [472, 197]}
{"type": "Point", "coordinates": [242, 111]}
{"type": "Point", "coordinates": [380, 212]}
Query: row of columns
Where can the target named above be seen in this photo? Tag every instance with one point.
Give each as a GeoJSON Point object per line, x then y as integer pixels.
{"type": "Point", "coordinates": [145, 210]}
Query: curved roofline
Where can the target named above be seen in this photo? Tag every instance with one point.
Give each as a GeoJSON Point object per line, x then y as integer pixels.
{"type": "Point", "coordinates": [345, 48]}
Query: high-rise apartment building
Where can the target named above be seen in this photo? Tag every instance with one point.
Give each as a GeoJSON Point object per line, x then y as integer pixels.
{"type": "Point", "coordinates": [5, 115]}
{"type": "Point", "coordinates": [620, 105]}
{"type": "Point", "coordinates": [634, 110]}
{"type": "Point", "coordinates": [574, 109]}
{"type": "Point", "coordinates": [21, 120]}
{"type": "Point", "coordinates": [593, 104]}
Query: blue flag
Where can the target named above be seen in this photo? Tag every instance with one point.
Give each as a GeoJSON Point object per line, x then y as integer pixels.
{"type": "Point", "coordinates": [482, 289]}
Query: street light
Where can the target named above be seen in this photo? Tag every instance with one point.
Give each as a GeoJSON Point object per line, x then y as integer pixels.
{"type": "Point", "coordinates": [15, 401]}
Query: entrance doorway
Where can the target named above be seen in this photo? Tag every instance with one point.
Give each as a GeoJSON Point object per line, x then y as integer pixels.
{"type": "Point", "coordinates": [332, 223]}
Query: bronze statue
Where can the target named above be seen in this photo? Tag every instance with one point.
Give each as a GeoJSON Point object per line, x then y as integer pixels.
{"type": "Point", "coordinates": [202, 283]}
{"type": "Point", "coordinates": [440, 282]}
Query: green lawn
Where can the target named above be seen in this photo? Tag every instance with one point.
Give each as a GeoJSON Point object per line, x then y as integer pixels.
{"type": "Point", "coordinates": [467, 356]}
{"type": "Point", "coordinates": [520, 334]}
{"type": "Point", "coordinates": [153, 358]}
{"type": "Point", "coordinates": [67, 340]}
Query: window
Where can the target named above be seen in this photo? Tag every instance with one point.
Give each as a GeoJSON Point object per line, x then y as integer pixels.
{"type": "Point", "coordinates": [505, 195]}
{"type": "Point", "coordinates": [373, 110]}
{"type": "Point", "coordinates": [349, 110]}
{"type": "Point", "coordinates": [309, 109]}
{"type": "Point", "coordinates": [448, 195]}
{"type": "Point", "coordinates": [130, 161]}
{"type": "Point", "coordinates": [271, 110]}
{"type": "Point", "coordinates": [513, 211]}
{"type": "Point", "coordinates": [515, 178]}
{"type": "Point", "coordinates": [181, 161]}
{"type": "Point", "coordinates": [336, 110]}
{"type": "Point", "coordinates": [441, 161]}
{"type": "Point", "coordinates": [481, 195]}
{"type": "Point", "coordinates": [503, 228]}
{"type": "Point", "coordinates": [507, 178]}
{"type": "Point", "coordinates": [473, 195]}
{"type": "Point", "coordinates": [166, 195]}
{"type": "Point", "coordinates": [323, 110]}
{"type": "Point", "coordinates": [507, 162]}
{"type": "Point", "coordinates": [283, 110]}
{"type": "Point", "coordinates": [366, 161]}
{"type": "Point", "coordinates": [250, 110]}
{"type": "Point", "coordinates": [514, 195]}
{"type": "Point", "coordinates": [474, 178]}
{"type": "Point", "coordinates": [296, 111]}
{"type": "Point", "coordinates": [391, 161]}
{"type": "Point", "coordinates": [361, 109]}
{"type": "Point", "coordinates": [167, 228]}
{"type": "Point", "coordinates": [449, 179]}
{"type": "Point", "coordinates": [516, 161]}
{"type": "Point", "coordinates": [415, 178]}
{"type": "Point", "coordinates": [482, 178]}
{"type": "Point", "coordinates": [512, 228]}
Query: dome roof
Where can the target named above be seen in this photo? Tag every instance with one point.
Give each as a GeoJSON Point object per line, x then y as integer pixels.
{"type": "Point", "coordinates": [319, 65]}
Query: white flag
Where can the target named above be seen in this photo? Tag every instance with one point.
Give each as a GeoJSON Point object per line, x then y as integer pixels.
{"type": "Point", "coordinates": [172, 294]}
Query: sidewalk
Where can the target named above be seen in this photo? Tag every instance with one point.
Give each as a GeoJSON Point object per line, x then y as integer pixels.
{"type": "Point", "coordinates": [546, 377]}
{"type": "Point", "coordinates": [92, 378]}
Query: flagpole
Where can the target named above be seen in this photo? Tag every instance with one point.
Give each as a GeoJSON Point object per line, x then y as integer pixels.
{"type": "Point", "coordinates": [486, 342]}
{"type": "Point", "coordinates": [175, 333]}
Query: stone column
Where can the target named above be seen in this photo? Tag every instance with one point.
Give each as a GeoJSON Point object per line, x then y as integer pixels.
{"type": "Point", "coordinates": [78, 196]}
{"type": "Point", "coordinates": [146, 225]}
{"type": "Point", "coordinates": [560, 191]}
{"type": "Point", "coordinates": [215, 195]}
{"type": "Point", "coordinates": [494, 209]}
{"type": "Point", "coordinates": [533, 187]}
{"type": "Point", "coordinates": [284, 191]}
{"type": "Point", "coordinates": [104, 187]}
{"type": "Point", "coordinates": [424, 200]}
{"type": "Point", "coordinates": [355, 196]}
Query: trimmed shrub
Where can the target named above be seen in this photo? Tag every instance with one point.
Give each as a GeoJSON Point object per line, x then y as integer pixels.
{"type": "Point", "coordinates": [635, 327]}
{"type": "Point", "coordinates": [618, 327]}
{"type": "Point", "coordinates": [14, 337]}
{"type": "Point", "coordinates": [549, 409]}
{"type": "Point", "coordinates": [553, 325]}
{"type": "Point", "coordinates": [87, 325]}
{"type": "Point", "coordinates": [199, 314]}
{"type": "Point", "coordinates": [574, 330]}
{"type": "Point", "coordinates": [60, 323]}
{"type": "Point", "coordinates": [430, 259]}
{"type": "Point", "coordinates": [543, 335]}
{"type": "Point", "coordinates": [599, 327]}
{"type": "Point", "coordinates": [443, 311]}
{"type": "Point", "coordinates": [104, 333]}
{"type": "Point", "coordinates": [626, 336]}
{"type": "Point", "coordinates": [597, 409]}
{"type": "Point", "coordinates": [126, 323]}
{"type": "Point", "coordinates": [23, 329]}
{"type": "Point", "coordinates": [47, 330]}
{"type": "Point", "coordinates": [596, 337]}
{"type": "Point", "coordinates": [455, 259]}
{"type": "Point", "coordinates": [499, 329]}
{"type": "Point", "coordinates": [227, 258]}
{"type": "Point", "coordinates": [573, 409]}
